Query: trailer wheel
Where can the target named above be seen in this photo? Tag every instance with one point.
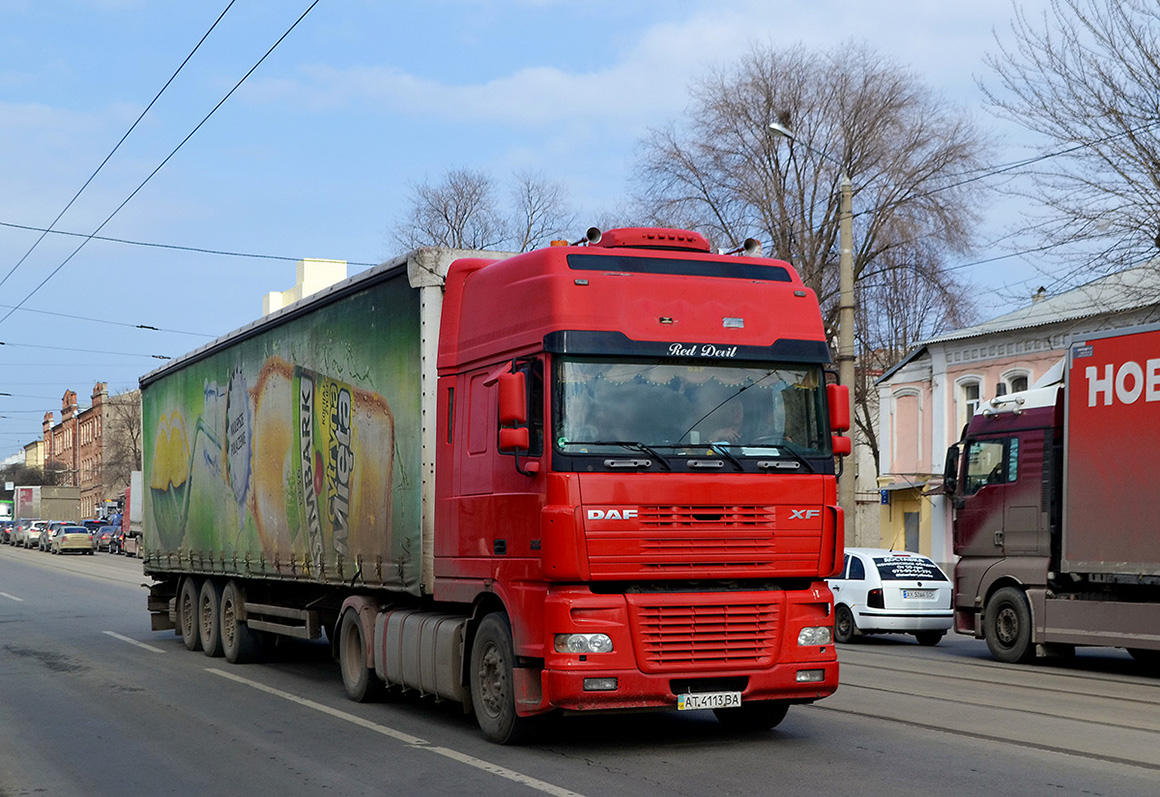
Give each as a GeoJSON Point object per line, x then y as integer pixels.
{"type": "Point", "coordinates": [209, 617]}
{"type": "Point", "coordinates": [844, 626]}
{"type": "Point", "coordinates": [761, 715]}
{"type": "Point", "coordinates": [1007, 626]}
{"type": "Point", "coordinates": [187, 599]}
{"type": "Point", "coordinates": [493, 682]}
{"type": "Point", "coordinates": [239, 644]}
{"type": "Point", "coordinates": [361, 683]}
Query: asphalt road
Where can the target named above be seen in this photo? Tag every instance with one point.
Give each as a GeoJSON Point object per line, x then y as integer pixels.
{"type": "Point", "coordinates": [94, 703]}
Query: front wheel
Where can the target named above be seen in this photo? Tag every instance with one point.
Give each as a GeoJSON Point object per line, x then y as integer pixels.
{"type": "Point", "coordinates": [1007, 626]}
{"type": "Point", "coordinates": [844, 626]}
{"type": "Point", "coordinates": [760, 715]}
{"type": "Point", "coordinates": [493, 681]}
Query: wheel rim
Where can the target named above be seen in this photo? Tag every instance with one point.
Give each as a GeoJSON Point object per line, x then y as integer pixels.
{"type": "Point", "coordinates": [187, 620]}
{"type": "Point", "coordinates": [492, 681]}
{"type": "Point", "coordinates": [206, 619]}
{"type": "Point", "coordinates": [1006, 626]}
{"type": "Point", "coordinates": [229, 628]}
{"type": "Point", "coordinates": [843, 624]}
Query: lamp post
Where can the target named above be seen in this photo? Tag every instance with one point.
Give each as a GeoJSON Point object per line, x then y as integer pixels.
{"type": "Point", "coordinates": [845, 311]}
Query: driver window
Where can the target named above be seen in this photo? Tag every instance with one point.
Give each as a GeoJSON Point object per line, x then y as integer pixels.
{"type": "Point", "coordinates": [991, 462]}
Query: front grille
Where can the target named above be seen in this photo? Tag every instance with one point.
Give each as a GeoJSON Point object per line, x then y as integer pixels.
{"type": "Point", "coordinates": [683, 517]}
{"type": "Point", "coordinates": [705, 634]}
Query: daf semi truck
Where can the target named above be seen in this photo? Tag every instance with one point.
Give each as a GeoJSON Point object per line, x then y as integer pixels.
{"type": "Point", "coordinates": [1057, 523]}
{"type": "Point", "coordinates": [592, 477]}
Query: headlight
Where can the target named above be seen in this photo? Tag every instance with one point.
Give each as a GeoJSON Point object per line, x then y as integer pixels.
{"type": "Point", "coordinates": [583, 643]}
{"type": "Point", "coordinates": [817, 635]}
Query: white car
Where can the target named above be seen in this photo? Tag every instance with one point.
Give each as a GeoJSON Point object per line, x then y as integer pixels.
{"type": "Point", "coordinates": [891, 592]}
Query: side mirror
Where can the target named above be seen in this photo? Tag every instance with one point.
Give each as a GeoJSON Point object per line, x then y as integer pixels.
{"type": "Point", "coordinates": [838, 397]}
{"type": "Point", "coordinates": [517, 439]}
{"type": "Point", "coordinates": [513, 399]}
{"type": "Point", "coordinates": [842, 445]}
{"type": "Point", "coordinates": [951, 470]}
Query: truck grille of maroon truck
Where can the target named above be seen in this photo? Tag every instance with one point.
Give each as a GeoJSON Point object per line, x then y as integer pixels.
{"type": "Point", "coordinates": [722, 635]}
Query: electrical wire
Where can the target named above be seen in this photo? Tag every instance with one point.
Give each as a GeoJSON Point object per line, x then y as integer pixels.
{"type": "Point", "coordinates": [132, 127]}
{"type": "Point", "coordinates": [161, 165]}
{"type": "Point", "coordinates": [194, 249]}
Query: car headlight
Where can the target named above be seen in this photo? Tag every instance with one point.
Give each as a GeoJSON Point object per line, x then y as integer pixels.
{"type": "Point", "coordinates": [816, 635]}
{"type": "Point", "coordinates": [583, 643]}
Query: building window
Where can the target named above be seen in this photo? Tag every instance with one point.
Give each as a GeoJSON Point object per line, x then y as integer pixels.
{"type": "Point", "coordinates": [1018, 383]}
{"type": "Point", "coordinates": [969, 396]}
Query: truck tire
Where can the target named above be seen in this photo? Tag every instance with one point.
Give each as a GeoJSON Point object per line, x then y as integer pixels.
{"type": "Point", "coordinates": [760, 715]}
{"type": "Point", "coordinates": [845, 629]}
{"type": "Point", "coordinates": [209, 614]}
{"type": "Point", "coordinates": [1007, 626]}
{"type": "Point", "coordinates": [239, 644]}
{"type": "Point", "coordinates": [493, 682]}
{"type": "Point", "coordinates": [360, 681]}
{"type": "Point", "coordinates": [187, 623]}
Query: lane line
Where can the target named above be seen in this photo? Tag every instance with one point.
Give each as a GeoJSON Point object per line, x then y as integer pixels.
{"type": "Point", "coordinates": [142, 645]}
{"type": "Point", "coordinates": [12, 597]}
{"type": "Point", "coordinates": [406, 738]}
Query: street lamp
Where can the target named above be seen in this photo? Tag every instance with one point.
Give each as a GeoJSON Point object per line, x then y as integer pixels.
{"type": "Point", "coordinates": [845, 310]}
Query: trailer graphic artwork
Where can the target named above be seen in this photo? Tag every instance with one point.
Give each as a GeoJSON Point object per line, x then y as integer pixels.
{"type": "Point", "coordinates": [283, 468]}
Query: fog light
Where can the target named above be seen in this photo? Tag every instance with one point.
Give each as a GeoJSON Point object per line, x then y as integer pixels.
{"type": "Point", "coordinates": [810, 676]}
{"type": "Point", "coordinates": [599, 684]}
{"type": "Point", "coordinates": [583, 643]}
{"type": "Point", "coordinates": [816, 635]}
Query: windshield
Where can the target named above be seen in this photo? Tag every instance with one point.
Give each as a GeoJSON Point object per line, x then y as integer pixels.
{"type": "Point", "coordinates": [728, 409]}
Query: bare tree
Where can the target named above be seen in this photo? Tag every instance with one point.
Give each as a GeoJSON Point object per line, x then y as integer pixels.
{"type": "Point", "coordinates": [539, 212]}
{"type": "Point", "coordinates": [853, 111]}
{"type": "Point", "coordinates": [122, 436]}
{"type": "Point", "coordinates": [463, 211]}
{"type": "Point", "coordinates": [460, 212]}
{"type": "Point", "coordinates": [1086, 76]}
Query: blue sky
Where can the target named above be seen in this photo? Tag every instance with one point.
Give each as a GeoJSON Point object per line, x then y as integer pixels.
{"type": "Point", "coordinates": [315, 153]}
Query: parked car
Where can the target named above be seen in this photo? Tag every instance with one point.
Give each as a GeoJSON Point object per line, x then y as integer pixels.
{"type": "Point", "coordinates": [44, 543]}
{"type": "Point", "coordinates": [891, 592]}
{"type": "Point", "coordinates": [74, 539]}
{"type": "Point", "coordinates": [30, 537]}
{"type": "Point", "coordinates": [103, 538]}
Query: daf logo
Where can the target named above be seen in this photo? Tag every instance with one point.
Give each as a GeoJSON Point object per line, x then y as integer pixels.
{"type": "Point", "coordinates": [611, 514]}
{"type": "Point", "coordinates": [804, 514]}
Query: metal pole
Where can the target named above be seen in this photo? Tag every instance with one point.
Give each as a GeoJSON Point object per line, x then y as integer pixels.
{"type": "Point", "coordinates": [846, 341]}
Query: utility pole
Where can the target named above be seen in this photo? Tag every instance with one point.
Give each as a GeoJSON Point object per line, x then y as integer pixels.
{"type": "Point", "coordinates": [846, 354]}
{"type": "Point", "coordinates": [846, 340]}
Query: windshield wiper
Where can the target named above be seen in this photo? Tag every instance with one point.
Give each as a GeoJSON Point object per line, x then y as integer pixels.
{"type": "Point", "coordinates": [630, 444]}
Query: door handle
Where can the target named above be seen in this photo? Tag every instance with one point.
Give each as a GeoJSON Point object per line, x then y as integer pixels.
{"type": "Point", "coordinates": [999, 539]}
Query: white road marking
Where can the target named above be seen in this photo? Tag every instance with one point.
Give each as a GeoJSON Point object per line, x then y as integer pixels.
{"type": "Point", "coordinates": [12, 597]}
{"type": "Point", "coordinates": [406, 738]}
{"type": "Point", "coordinates": [150, 648]}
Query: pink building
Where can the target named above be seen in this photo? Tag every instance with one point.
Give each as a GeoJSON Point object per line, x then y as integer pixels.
{"type": "Point", "coordinates": [926, 399]}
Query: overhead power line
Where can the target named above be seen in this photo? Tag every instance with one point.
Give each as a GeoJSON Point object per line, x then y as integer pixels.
{"type": "Point", "coordinates": [161, 165]}
{"type": "Point", "coordinates": [132, 127]}
{"type": "Point", "coordinates": [195, 249]}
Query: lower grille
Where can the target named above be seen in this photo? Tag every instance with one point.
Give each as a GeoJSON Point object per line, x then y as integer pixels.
{"type": "Point", "coordinates": [706, 634]}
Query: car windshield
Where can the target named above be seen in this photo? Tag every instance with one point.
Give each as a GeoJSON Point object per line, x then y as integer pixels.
{"type": "Point", "coordinates": [908, 568]}
{"type": "Point", "coordinates": [747, 408]}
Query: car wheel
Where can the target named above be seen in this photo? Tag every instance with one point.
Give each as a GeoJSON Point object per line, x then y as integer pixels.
{"type": "Point", "coordinates": [1007, 626]}
{"type": "Point", "coordinates": [187, 613]}
{"type": "Point", "coordinates": [928, 638]}
{"type": "Point", "coordinates": [209, 604]}
{"type": "Point", "coordinates": [760, 715]}
{"type": "Point", "coordinates": [845, 629]}
{"type": "Point", "coordinates": [493, 682]}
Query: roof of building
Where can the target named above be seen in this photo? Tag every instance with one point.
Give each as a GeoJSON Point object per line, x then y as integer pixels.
{"type": "Point", "coordinates": [1130, 289]}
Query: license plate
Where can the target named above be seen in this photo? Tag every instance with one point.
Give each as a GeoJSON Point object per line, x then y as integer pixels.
{"type": "Point", "coordinates": [708, 700]}
{"type": "Point", "coordinates": [919, 594]}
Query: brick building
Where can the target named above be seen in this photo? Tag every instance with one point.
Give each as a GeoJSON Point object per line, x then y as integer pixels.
{"type": "Point", "coordinates": [95, 448]}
